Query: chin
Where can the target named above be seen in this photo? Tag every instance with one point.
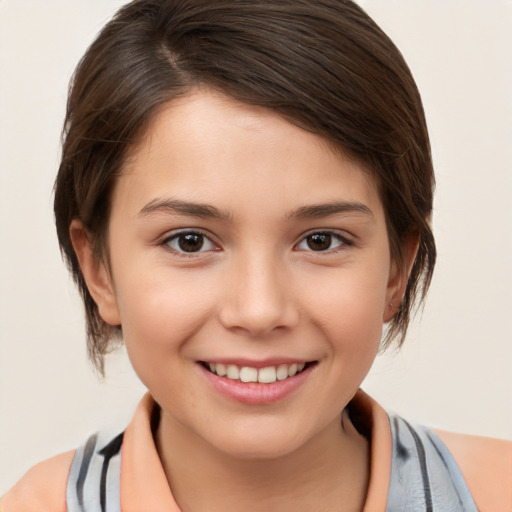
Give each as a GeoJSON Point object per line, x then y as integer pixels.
{"type": "Point", "coordinates": [263, 442]}
{"type": "Point", "coordinates": [262, 451]}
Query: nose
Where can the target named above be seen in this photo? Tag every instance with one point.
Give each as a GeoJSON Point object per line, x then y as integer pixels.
{"type": "Point", "coordinates": [259, 297]}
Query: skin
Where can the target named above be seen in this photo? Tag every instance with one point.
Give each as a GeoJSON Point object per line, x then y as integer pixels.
{"type": "Point", "coordinates": [256, 290]}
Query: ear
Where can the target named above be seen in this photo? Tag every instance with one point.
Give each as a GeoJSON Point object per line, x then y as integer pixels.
{"type": "Point", "coordinates": [399, 276]}
{"type": "Point", "coordinates": [96, 275]}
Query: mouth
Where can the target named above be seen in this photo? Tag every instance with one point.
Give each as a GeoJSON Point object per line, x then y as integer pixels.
{"type": "Point", "coordinates": [264, 375]}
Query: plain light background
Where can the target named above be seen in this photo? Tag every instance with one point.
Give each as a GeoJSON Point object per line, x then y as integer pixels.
{"type": "Point", "coordinates": [455, 370]}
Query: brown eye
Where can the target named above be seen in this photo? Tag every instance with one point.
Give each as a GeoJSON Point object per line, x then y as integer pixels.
{"type": "Point", "coordinates": [319, 241]}
{"type": "Point", "coordinates": [322, 241]}
{"type": "Point", "coordinates": [190, 242]}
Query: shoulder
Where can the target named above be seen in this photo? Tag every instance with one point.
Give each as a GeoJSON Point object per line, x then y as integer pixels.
{"type": "Point", "coordinates": [42, 488]}
{"type": "Point", "coordinates": [486, 465]}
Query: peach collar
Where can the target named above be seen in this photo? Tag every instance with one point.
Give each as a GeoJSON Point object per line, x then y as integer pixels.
{"type": "Point", "coordinates": [144, 485]}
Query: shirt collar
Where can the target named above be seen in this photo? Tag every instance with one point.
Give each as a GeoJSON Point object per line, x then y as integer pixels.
{"type": "Point", "coordinates": [144, 485]}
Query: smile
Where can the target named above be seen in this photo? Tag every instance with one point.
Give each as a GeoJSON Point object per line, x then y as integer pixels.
{"type": "Point", "coordinates": [257, 383]}
{"type": "Point", "coordinates": [266, 375]}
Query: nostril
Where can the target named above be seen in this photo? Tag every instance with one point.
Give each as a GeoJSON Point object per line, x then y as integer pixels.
{"type": "Point", "coordinates": [258, 319]}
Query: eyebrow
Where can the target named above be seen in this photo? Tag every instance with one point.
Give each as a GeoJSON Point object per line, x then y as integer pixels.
{"type": "Point", "coordinates": [316, 211]}
{"type": "Point", "coordinates": [204, 210]}
{"type": "Point", "coordinates": [184, 208]}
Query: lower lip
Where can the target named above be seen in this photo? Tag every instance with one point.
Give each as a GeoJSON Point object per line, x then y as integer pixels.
{"type": "Point", "coordinates": [254, 393]}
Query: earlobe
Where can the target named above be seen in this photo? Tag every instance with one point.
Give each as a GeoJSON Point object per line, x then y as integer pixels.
{"type": "Point", "coordinates": [399, 277]}
{"type": "Point", "coordinates": [96, 275]}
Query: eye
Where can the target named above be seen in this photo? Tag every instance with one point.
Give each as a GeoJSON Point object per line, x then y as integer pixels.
{"type": "Point", "coordinates": [190, 242]}
{"type": "Point", "coordinates": [322, 241]}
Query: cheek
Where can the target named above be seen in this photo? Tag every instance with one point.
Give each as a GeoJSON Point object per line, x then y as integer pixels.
{"type": "Point", "coordinates": [349, 307]}
{"type": "Point", "coordinates": [160, 311]}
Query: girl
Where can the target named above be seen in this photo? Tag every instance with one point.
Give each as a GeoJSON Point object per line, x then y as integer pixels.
{"type": "Point", "coordinates": [245, 196]}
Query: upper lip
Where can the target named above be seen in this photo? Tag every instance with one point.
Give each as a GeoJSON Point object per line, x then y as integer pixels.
{"type": "Point", "coordinates": [262, 363]}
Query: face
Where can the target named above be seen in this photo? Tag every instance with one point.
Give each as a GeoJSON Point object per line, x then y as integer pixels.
{"type": "Point", "coordinates": [242, 248]}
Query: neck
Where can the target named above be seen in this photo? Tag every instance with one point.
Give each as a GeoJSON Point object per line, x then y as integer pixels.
{"type": "Point", "coordinates": [330, 469]}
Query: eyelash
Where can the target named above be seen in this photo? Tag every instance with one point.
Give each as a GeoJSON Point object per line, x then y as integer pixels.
{"type": "Point", "coordinates": [182, 253]}
{"type": "Point", "coordinates": [344, 242]}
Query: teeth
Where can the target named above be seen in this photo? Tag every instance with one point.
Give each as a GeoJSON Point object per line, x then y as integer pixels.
{"type": "Point", "coordinates": [266, 375]}
{"type": "Point", "coordinates": [233, 372]}
{"type": "Point", "coordinates": [282, 372]}
{"type": "Point", "coordinates": [248, 374]}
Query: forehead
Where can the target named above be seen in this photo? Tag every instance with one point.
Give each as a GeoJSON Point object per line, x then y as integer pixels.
{"type": "Point", "coordinates": [210, 147]}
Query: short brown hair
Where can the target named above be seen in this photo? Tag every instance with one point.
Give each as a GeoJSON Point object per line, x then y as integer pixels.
{"type": "Point", "coordinates": [322, 64]}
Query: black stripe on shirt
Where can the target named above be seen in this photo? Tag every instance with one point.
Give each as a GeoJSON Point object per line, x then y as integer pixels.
{"type": "Point", "coordinates": [429, 507]}
{"type": "Point", "coordinates": [84, 468]}
{"type": "Point", "coordinates": [108, 452]}
{"type": "Point", "coordinates": [401, 450]}
{"type": "Point", "coordinates": [445, 464]}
